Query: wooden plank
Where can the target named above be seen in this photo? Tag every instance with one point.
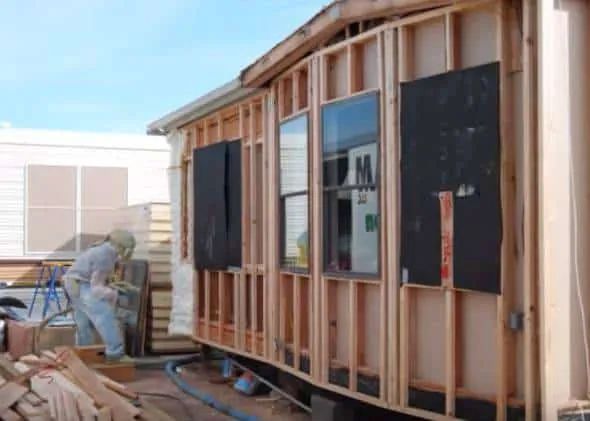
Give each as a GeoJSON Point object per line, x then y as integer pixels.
{"type": "Point", "coordinates": [404, 340]}
{"type": "Point", "coordinates": [264, 222]}
{"type": "Point", "coordinates": [10, 415]}
{"type": "Point", "coordinates": [236, 308]}
{"type": "Point", "coordinates": [391, 216]}
{"type": "Point", "coordinates": [122, 410]}
{"type": "Point", "coordinates": [10, 393]}
{"type": "Point", "coordinates": [384, 222]}
{"type": "Point", "coordinates": [207, 303]}
{"type": "Point", "coordinates": [505, 349]}
{"type": "Point", "coordinates": [296, 321]}
{"type": "Point", "coordinates": [105, 413]}
{"type": "Point", "coordinates": [282, 316]}
{"type": "Point", "coordinates": [530, 215]}
{"type": "Point", "coordinates": [123, 372]}
{"type": "Point", "coordinates": [221, 298]}
{"type": "Point", "coordinates": [318, 87]}
{"type": "Point", "coordinates": [353, 344]}
{"type": "Point", "coordinates": [70, 406]}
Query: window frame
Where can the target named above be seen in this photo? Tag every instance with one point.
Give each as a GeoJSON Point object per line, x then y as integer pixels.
{"type": "Point", "coordinates": [326, 190]}
{"type": "Point", "coordinates": [282, 199]}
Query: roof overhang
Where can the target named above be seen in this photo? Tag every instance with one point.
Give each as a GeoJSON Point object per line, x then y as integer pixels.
{"type": "Point", "coordinates": [224, 95]}
{"type": "Point", "coordinates": [320, 28]}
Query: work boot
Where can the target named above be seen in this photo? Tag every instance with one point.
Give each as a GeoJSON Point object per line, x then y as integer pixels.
{"type": "Point", "coordinates": [119, 359]}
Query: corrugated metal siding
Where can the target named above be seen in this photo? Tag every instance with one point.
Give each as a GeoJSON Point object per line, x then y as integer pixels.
{"type": "Point", "coordinates": [147, 180]}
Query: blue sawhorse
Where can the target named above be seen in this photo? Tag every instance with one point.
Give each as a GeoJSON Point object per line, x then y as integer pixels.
{"type": "Point", "coordinates": [48, 285]}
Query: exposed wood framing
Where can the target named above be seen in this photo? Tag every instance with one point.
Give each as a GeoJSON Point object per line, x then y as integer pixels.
{"type": "Point", "coordinates": [505, 339]}
{"type": "Point", "coordinates": [530, 214]}
{"type": "Point", "coordinates": [391, 217]}
{"type": "Point", "coordinates": [398, 306]}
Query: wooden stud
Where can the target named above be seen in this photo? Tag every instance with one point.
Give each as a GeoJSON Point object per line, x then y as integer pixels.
{"type": "Point", "coordinates": [505, 349]}
{"type": "Point", "coordinates": [352, 69]}
{"type": "Point", "coordinates": [221, 298]}
{"type": "Point", "coordinates": [317, 89]}
{"type": "Point", "coordinates": [530, 215]}
{"type": "Point", "coordinates": [391, 217]}
{"type": "Point", "coordinates": [243, 309]}
{"type": "Point", "coordinates": [404, 349]}
{"type": "Point", "coordinates": [448, 280]}
{"type": "Point", "coordinates": [196, 319]}
{"type": "Point", "coordinates": [295, 81]}
{"type": "Point", "coordinates": [264, 222]}
{"type": "Point", "coordinates": [353, 328]}
{"type": "Point", "coordinates": [219, 128]}
{"type": "Point", "coordinates": [236, 308]}
{"type": "Point", "coordinates": [253, 230]}
{"type": "Point", "coordinates": [282, 317]}
{"type": "Point", "coordinates": [296, 321]}
{"type": "Point", "coordinates": [405, 60]}
{"type": "Point", "coordinates": [384, 222]}
{"type": "Point", "coordinates": [207, 303]}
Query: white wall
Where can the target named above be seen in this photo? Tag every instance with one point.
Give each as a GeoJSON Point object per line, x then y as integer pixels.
{"type": "Point", "coordinates": [146, 158]}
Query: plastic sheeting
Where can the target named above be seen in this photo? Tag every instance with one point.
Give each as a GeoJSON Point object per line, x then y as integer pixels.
{"type": "Point", "coordinates": [181, 316]}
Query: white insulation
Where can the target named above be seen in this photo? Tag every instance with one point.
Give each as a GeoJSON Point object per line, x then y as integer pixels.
{"type": "Point", "coordinates": [181, 316]}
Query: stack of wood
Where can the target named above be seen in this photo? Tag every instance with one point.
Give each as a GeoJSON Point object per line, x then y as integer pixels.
{"type": "Point", "coordinates": [20, 273]}
{"type": "Point", "coordinates": [60, 386]}
{"type": "Point", "coordinates": [151, 224]}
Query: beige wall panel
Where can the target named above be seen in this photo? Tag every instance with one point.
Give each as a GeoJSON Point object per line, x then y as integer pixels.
{"type": "Point", "coordinates": [370, 65]}
{"type": "Point", "coordinates": [478, 350]}
{"type": "Point", "coordinates": [342, 318]}
{"type": "Point", "coordinates": [428, 332]}
{"type": "Point", "coordinates": [337, 75]}
{"type": "Point", "coordinates": [478, 37]}
{"type": "Point", "coordinates": [51, 186]}
{"type": "Point", "coordinates": [104, 187]}
{"type": "Point", "coordinates": [51, 230]}
{"type": "Point", "coordinates": [369, 332]}
{"type": "Point", "coordinates": [429, 48]}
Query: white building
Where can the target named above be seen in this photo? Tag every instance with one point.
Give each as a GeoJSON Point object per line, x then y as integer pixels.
{"type": "Point", "coordinates": [58, 189]}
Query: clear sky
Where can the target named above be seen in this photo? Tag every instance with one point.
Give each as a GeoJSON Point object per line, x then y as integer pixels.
{"type": "Point", "coordinates": [116, 65]}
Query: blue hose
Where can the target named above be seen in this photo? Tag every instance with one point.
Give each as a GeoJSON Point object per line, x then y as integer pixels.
{"type": "Point", "coordinates": [206, 398]}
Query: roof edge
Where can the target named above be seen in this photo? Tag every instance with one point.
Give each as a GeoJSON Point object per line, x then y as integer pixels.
{"type": "Point", "coordinates": [211, 101]}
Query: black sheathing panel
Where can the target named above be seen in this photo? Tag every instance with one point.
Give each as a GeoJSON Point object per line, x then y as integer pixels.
{"type": "Point", "coordinates": [209, 207]}
{"type": "Point", "coordinates": [233, 181]}
{"type": "Point", "coordinates": [450, 141]}
{"type": "Point", "coordinates": [427, 400]}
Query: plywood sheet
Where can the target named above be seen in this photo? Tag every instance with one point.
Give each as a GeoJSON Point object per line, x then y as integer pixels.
{"type": "Point", "coordinates": [428, 332]}
{"type": "Point", "coordinates": [477, 37]}
{"type": "Point", "coordinates": [429, 48]}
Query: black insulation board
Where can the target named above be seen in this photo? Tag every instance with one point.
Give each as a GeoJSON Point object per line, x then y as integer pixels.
{"type": "Point", "coordinates": [209, 207]}
{"type": "Point", "coordinates": [450, 141]}
{"type": "Point", "coordinates": [234, 203]}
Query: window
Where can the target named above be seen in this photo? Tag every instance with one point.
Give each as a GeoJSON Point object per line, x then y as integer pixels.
{"type": "Point", "coordinates": [294, 194]}
{"type": "Point", "coordinates": [69, 208]}
{"type": "Point", "coordinates": [51, 209]}
{"type": "Point", "coordinates": [350, 134]}
{"type": "Point", "coordinates": [104, 190]}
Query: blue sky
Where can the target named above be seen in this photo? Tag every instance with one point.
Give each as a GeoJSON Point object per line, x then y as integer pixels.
{"type": "Point", "coordinates": [114, 66]}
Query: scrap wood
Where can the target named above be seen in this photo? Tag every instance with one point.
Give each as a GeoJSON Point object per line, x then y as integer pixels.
{"type": "Point", "coordinates": [121, 408]}
{"type": "Point", "coordinates": [10, 415]}
{"type": "Point", "coordinates": [10, 393]}
{"type": "Point", "coordinates": [44, 383]}
{"type": "Point", "coordinates": [104, 414]}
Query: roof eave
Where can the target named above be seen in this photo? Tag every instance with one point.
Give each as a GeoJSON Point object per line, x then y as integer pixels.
{"type": "Point", "coordinates": [224, 95]}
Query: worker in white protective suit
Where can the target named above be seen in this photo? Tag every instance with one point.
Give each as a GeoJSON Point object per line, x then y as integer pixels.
{"type": "Point", "coordinates": [93, 301]}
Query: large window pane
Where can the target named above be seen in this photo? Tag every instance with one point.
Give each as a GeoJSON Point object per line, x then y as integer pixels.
{"type": "Point", "coordinates": [293, 148]}
{"type": "Point", "coordinates": [351, 198]}
{"type": "Point", "coordinates": [348, 125]}
{"type": "Point", "coordinates": [351, 231]}
{"type": "Point", "coordinates": [295, 238]}
{"type": "Point", "coordinates": [293, 143]}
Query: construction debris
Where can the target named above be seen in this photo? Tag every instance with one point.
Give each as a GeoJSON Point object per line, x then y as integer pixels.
{"type": "Point", "coordinates": [64, 385]}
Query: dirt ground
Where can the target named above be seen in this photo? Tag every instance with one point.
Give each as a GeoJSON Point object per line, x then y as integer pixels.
{"type": "Point", "coordinates": [263, 407]}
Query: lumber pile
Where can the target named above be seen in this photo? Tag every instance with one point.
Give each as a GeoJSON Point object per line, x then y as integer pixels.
{"type": "Point", "coordinates": [19, 273]}
{"type": "Point", "coordinates": [61, 386]}
{"type": "Point", "coordinates": [152, 227]}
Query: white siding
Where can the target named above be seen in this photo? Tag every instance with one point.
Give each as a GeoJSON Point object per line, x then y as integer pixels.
{"type": "Point", "coordinates": [12, 197]}
{"type": "Point", "coordinates": [146, 157]}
